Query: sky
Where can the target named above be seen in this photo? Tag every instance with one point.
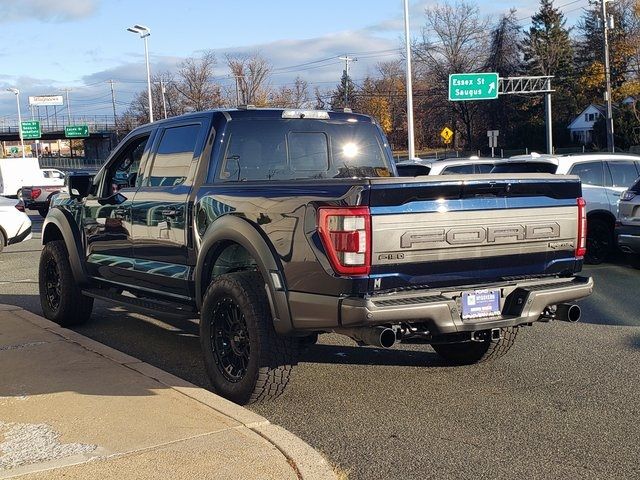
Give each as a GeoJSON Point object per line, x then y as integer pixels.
{"type": "Point", "coordinates": [50, 45]}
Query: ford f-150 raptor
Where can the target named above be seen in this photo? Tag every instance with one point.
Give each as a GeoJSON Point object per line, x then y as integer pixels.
{"type": "Point", "coordinates": [275, 225]}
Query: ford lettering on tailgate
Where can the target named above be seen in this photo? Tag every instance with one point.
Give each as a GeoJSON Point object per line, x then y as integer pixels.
{"type": "Point", "coordinates": [435, 237]}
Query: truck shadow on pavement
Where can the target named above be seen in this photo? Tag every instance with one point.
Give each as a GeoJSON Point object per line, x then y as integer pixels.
{"type": "Point", "coordinates": [349, 355]}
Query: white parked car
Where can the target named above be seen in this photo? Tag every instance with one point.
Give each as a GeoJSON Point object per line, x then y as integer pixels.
{"type": "Point", "coordinates": [15, 225]}
{"type": "Point", "coordinates": [604, 177]}
{"type": "Point", "coordinates": [450, 166]}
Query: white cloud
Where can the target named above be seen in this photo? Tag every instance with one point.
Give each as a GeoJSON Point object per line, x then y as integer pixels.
{"type": "Point", "coordinates": [46, 10]}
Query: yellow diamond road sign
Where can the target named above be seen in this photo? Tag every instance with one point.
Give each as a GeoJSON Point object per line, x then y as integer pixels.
{"type": "Point", "coordinates": [446, 134]}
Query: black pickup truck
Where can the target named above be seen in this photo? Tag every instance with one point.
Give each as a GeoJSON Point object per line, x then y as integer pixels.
{"type": "Point", "coordinates": [275, 225]}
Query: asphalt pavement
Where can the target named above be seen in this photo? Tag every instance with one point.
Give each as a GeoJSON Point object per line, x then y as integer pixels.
{"type": "Point", "coordinates": [562, 404]}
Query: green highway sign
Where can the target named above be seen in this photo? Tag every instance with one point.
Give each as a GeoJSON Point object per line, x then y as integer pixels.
{"type": "Point", "coordinates": [473, 86]}
{"type": "Point", "coordinates": [76, 131]}
{"type": "Point", "coordinates": [31, 130]}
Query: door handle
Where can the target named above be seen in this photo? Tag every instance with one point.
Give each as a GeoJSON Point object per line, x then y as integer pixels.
{"type": "Point", "coordinates": [169, 213]}
{"type": "Point", "coordinates": [120, 213]}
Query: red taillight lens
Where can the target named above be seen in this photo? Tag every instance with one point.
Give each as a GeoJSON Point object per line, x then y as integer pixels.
{"type": "Point", "coordinates": [346, 236]}
{"type": "Point", "coordinates": [35, 193]}
{"type": "Point", "coordinates": [581, 245]}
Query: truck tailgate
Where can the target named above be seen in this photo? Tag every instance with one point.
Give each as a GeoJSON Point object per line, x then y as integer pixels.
{"type": "Point", "coordinates": [464, 230]}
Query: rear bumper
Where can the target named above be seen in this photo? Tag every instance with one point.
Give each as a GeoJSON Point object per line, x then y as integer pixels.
{"type": "Point", "coordinates": [628, 238]}
{"type": "Point", "coordinates": [521, 303]}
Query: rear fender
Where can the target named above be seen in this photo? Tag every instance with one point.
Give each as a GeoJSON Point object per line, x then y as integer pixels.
{"type": "Point", "coordinates": [230, 228]}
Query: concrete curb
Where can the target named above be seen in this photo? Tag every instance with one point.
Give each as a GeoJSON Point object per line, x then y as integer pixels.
{"type": "Point", "coordinates": [308, 462]}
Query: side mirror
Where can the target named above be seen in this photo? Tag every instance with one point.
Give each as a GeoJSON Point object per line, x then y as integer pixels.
{"type": "Point", "coordinates": [79, 185]}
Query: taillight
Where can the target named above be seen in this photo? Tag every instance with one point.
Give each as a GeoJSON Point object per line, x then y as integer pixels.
{"type": "Point", "coordinates": [35, 193]}
{"type": "Point", "coordinates": [346, 236]}
{"type": "Point", "coordinates": [20, 206]}
{"type": "Point", "coordinates": [627, 195]}
{"type": "Point", "coordinates": [581, 245]}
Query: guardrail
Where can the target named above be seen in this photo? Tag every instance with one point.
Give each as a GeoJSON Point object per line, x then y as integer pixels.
{"type": "Point", "coordinates": [67, 163]}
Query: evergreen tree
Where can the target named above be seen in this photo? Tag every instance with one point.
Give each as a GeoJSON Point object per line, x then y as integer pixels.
{"type": "Point", "coordinates": [547, 50]}
{"type": "Point", "coordinates": [344, 94]}
{"type": "Point", "coordinates": [623, 48]}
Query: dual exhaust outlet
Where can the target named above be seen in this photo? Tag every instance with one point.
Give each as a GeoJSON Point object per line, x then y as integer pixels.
{"type": "Point", "coordinates": [385, 337]}
{"type": "Point", "coordinates": [565, 312]}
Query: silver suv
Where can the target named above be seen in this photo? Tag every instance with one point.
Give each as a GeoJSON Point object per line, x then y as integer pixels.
{"type": "Point", "coordinates": [628, 226]}
{"type": "Point", "coordinates": [604, 177]}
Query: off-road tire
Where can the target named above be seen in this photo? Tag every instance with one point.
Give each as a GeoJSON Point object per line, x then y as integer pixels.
{"type": "Point", "coordinates": [72, 307]}
{"type": "Point", "coordinates": [467, 353]}
{"type": "Point", "coordinates": [599, 241]}
{"type": "Point", "coordinates": [271, 357]}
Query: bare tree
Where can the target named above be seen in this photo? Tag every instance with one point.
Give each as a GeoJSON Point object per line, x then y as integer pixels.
{"type": "Point", "coordinates": [252, 74]}
{"type": "Point", "coordinates": [454, 40]}
{"type": "Point", "coordinates": [197, 83]}
{"type": "Point", "coordinates": [291, 96]}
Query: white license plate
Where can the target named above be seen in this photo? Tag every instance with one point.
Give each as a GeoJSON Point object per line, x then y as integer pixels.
{"type": "Point", "coordinates": [480, 303]}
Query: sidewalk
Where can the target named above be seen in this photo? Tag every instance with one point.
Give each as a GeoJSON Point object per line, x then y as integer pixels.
{"type": "Point", "coordinates": [74, 408]}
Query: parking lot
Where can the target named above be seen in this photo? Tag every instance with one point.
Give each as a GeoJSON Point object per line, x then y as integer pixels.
{"type": "Point", "coordinates": [562, 404]}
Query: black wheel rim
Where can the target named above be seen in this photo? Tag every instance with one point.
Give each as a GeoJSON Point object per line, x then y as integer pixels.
{"type": "Point", "coordinates": [598, 243]}
{"type": "Point", "coordinates": [230, 340]}
{"type": "Point", "coordinates": [52, 284]}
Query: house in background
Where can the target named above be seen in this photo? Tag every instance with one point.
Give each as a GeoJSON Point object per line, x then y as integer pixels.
{"type": "Point", "coordinates": [581, 127]}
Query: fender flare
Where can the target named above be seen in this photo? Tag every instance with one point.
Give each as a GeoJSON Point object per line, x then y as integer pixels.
{"type": "Point", "coordinates": [67, 226]}
{"type": "Point", "coordinates": [238, 230]}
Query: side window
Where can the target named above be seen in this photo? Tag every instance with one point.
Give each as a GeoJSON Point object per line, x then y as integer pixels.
{"type": "Point", "coordinates": [590, 173]}
{"type": "Point", "coordinates": [123, 172]}
{"type": "Point", "coordinates": [309, 152]}
{"type": "Point", "coordinates": [623, 174]}
{"type": "Point", "coordinates": [458, 169]}
{"type": "Point", "coordinates": [173, 159]}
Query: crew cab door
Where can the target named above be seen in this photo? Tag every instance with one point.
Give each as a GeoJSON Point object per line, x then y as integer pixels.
{"type": "Point", "coordinates": [161, 213]}
{"type": "Point", "coordinates": [107, 215]}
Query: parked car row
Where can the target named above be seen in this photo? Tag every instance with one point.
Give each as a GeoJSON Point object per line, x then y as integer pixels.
{"type": "Point", "coordinates": [604, 179]}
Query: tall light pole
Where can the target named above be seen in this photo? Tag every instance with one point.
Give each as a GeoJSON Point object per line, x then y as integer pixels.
{"type": "Point", "coordinates": [144, 33]}
{"type": "Point", "coordinates": [607, 75]}
{"type": "Point", "coordinates": [410, 136]}
{"type": "Point", "coordinates": [16, 92]}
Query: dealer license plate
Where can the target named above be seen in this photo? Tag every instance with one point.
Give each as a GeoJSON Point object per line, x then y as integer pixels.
{"type": "Point", "coordinates": [480, 303]}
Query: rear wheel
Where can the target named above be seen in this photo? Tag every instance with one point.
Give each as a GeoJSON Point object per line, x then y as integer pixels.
{"type": "Point", "coordinates": [247, 361]}
{"type": "Point", "coordinates": [61, 299]}
{"type": "Point", "coordinates": [599, 241]}
{"type": "Point", "coordinates": [477, 352]}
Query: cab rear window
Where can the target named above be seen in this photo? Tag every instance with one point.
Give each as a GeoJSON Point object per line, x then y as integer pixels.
{"type": "Point", "coordinates": [292, 149]}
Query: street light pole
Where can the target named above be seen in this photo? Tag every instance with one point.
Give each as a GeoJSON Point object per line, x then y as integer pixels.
{"type": "Point", "coordinates": [410, 135]}
{"type": "Point", "coordinates": [144, 33]}
{"type": "Point", "coordinates": [607, 74]}
{"type": "Point", "coordinates": [16, 92]}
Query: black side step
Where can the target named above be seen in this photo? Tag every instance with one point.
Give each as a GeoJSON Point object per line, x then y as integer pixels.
{"type": "Point", "coordinates": [174, 310]}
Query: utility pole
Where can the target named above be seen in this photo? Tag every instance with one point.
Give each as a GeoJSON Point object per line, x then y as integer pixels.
{"type": "Point", "coordinates": [347, 59]}
{"type": "Point", "coordinates": [607, 75]}
{"type": "Point", "coordinates": [237, 91]}
{"type": "Point", "coordinates": [164, 100]}
{"type": "Point", "coordinates": [67, 90]}
{"type": "Point", "coordinates": [113, 104]}
{"type": "Point", "coordinates": [410, 135]}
